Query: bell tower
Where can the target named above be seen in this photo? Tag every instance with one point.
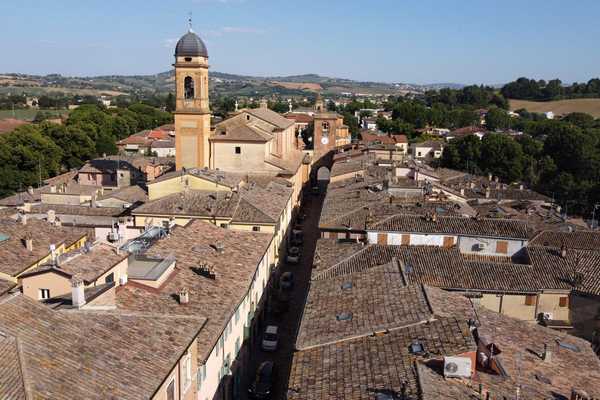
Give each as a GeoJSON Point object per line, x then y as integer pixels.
{"type": "Point", "coordinates": [192, 109]}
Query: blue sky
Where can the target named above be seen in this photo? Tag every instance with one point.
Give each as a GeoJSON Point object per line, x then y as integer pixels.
{"type": "Point", "coordinates": [424, 41]}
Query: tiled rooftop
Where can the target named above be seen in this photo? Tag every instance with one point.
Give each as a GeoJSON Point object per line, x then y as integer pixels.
{"type": "Point", "coordinates": [215, 299]}
{"type": "Point", "coordinates": [251, 203]}
{"type": "Point", "coordinates": [584, 240]}
{"type": "Point", "coordinates": [481, 227]}
{"type": "Point", "coordinates": [88, 263]}
{"type": "Point", "coordinates": [368, 357]}
{"type": "Point", "coordinates": [13, 252]}
{"type": "Point", "coordinates": [449, 269]}
{"type": "Point", "coordinates": [87, 355]}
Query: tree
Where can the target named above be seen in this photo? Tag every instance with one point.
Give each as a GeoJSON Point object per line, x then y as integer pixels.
{"type": "Point", "coordinates": [497, 119]}
{"type": "Point", "coordinates": [352, 123]}
{"type": "Point", "coordinates": [170, 103]}
{"type": "Point", "coordinates": [502, 156]}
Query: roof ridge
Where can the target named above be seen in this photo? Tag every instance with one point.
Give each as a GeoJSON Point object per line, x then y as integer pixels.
{"type": "Point", "coordinates": [253, 206]}
{"type": "Point", "coordinates": [321, 275]}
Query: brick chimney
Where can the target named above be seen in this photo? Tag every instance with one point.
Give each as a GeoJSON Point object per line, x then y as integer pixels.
{"type": "Point", "coordinates": [51, 216]}
{"type": "Point", "coordinates": [77, 292]}
{"type": "Point", "coordinates": [184, 296]}
{"type": "Point", "coordinates": [28, 243]}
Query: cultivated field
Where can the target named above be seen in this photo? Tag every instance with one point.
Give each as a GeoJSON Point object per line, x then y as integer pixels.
{"type": "Point", "coordinates": [559, 107]}
{"type": "Point", "coordinates": [28, 114]}
{"type": "Point", "coordinates": [299, 85]}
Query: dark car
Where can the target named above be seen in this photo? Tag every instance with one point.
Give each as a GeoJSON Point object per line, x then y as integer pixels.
{"type": "Point", "coordinates": [286, 281]}
{"type": "Point", "coordinates": [263, 382]}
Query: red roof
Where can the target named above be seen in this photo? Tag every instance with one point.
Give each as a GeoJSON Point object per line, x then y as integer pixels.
{"type": "Point", "coordinates": [384, 139]}
{"type": "Point", "coordinates": [299, 117]}
{"type": "Point", "coordinates": [8, 124]}
{"type": "Point", "coordinates": [158, 134]}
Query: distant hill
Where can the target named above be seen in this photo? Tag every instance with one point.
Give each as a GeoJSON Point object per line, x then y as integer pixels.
{"type": "Point", "coordinates": [221, 84]}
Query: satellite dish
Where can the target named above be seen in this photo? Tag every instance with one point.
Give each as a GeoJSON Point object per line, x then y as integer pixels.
{"type": "Point", "coordinates": [324, 140]}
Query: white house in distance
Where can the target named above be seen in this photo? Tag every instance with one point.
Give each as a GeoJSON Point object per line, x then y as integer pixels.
{"type": "Point", "coordinates": [429, 149]}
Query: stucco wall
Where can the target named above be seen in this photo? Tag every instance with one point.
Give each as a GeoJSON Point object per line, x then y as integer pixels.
{"type": "Point", "coordinates": [251, 158]}
{"type": "Point", "coordinates": [468, 245]}
{"type": "Point", "coordinates": [188, 393]}
{"type": "Point", "coordinates": [156, 190]}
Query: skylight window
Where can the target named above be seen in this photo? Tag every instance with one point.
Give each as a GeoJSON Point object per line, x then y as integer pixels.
{"type": "Point", "coordinates": [346, 285]}
{"type": "Point", "coordinates": [3, 237]}
{"type": "Point", "coordinates": [344, 316]}
{"type": "Point", "coordinates": [416, 347]}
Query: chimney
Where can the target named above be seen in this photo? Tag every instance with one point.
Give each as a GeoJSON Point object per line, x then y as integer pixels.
{"type": "Point", "coordinates": [236, 106]}
{"type": "Point", "coordinates": [53, 253]}
{"type": "Point", "coordinates": [547, 354]}
{"type": "Point", "coordinates": [51, 216]}
{"type": "Point", "coordinates": [184, 296]}
{"type": "Point", "coordinates": [219, 247]}
{"type": "Point", "coordinates": [563, 251]}
{"type": "Point", "coordinates": [77, 292]}
{"type": "Point", "coordinates": [93, 201]}
{"type": "Point", "coordinates": [472, 185]}
{"type": "Point", "coordinates": [28, 242]}
{"type": "Point", "coordinates": [490, 177]}
{"type": "Point", "coordinates": [578, 394]}
{"type": "Point", "coordinates": [462, 191]}
{"type": "Point", "coordinates": [52, 188]}
{"type": "Point", "coordinates": [24, 219]}
{"type": "Point", "coordinates": [264, 104]}
{"type": "Point", "coordinates": [496, 179]}
{"type": "Point", "coordinates": [487, 192]}
{"type": "Point", "coordinates": [521, 186]}
{"type": "Point", "coordinates": [30, 190]}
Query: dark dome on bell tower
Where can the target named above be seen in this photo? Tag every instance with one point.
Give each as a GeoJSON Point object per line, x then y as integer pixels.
{"type": "Point", "coordinates": [190, 45]}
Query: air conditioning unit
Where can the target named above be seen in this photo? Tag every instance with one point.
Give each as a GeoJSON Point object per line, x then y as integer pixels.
{"type": "Point", "coordinates": [548, 316]}
{"type": "Point", "coordinates": [457, 367]}
{"type": "Point", "coordinates": [480, 246]}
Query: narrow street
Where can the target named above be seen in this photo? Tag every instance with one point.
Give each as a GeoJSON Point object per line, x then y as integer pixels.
{"type": "Point", "coordinates": [289, 320]}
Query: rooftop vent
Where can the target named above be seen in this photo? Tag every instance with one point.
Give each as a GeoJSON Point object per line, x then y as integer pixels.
{"type": "Point", "coordinates": [219, 247]}
{"type": "Point", "coordinates": [344, 316]}
{"type": "Point", "coordinates": [457, 367]}
{"type": "Point", "coordinates": [205, 270]}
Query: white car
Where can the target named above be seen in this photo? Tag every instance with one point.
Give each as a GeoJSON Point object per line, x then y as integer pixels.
{"type": "Point", "coordinates": [270, 338]}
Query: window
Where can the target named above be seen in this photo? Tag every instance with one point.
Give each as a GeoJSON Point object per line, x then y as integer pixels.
{"type": "Point", "coordinates": [201, 376]}
{"type": "Point", "coordinates": [110, 278]}
{"type": "Point", "coordinates": [530, 300]}
{"type": "Point", "coordinates": [563, 302]}
{"type": "Point", "coordinates": [188, 88]}
{"type": "Point", "coordinates": [171, 390]}
{"type": "Point", "coordinates": [325, 126]}
{"type": "Point", "coordinates": [502, 247]}
{"type": "Point", "coordinates": [44, 294]}
{"type": "Point", "coordinates": [238, 150]}
{"type": "Point", "coordinates": [256, 228]}
{"type": "Point", "coordinates": [224, 226]}
{"type": "Point", "coordinates": [188, 59]}
{"type": "Point", "coordinates": [187, 371]}
{"type": "Point", "coordinates": [418, 154]}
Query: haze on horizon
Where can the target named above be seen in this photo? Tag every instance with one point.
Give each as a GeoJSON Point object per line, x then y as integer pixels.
{"type": "Point", "coordinates": [395, 41]}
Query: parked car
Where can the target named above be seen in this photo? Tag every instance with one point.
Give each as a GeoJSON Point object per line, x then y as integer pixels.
{"type": "Point", "coordinates": [270, 338]}
{"type": "Point", "coordinates": [293, 256]}
{"type": "Point", "coordinates": [286, 281]}
{"type": "Point", "coordinates": [297, 237]}
{"type": "Point", "coordinates": [263, 382]}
